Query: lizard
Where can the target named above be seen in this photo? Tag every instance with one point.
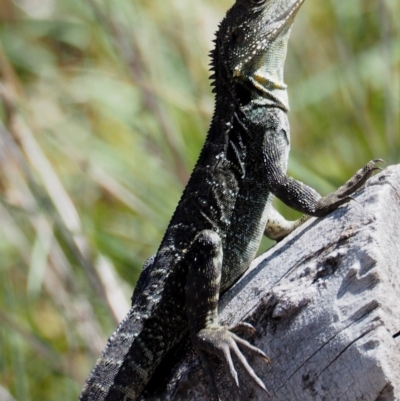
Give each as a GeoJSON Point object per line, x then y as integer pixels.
{"type": "Point", "coordinates": [223, 213]}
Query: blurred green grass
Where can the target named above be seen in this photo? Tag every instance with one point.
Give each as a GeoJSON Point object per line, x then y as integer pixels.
{"type": "Point", "coordinates": [105, 106]}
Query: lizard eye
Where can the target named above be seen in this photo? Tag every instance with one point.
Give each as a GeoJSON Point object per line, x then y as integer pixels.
{"type": "Point", "coordinates": [238, 35]}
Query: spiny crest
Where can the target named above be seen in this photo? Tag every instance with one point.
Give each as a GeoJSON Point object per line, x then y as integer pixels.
{"type": "Point", "coordinates": [213, 68]}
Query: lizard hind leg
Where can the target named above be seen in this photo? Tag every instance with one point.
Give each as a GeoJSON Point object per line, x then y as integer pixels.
{"type": "Point", "coordinates": [204, 258]}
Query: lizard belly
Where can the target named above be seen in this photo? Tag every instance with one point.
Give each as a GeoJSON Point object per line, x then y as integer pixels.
{"type": "Point", "coordinates": [243, 240]}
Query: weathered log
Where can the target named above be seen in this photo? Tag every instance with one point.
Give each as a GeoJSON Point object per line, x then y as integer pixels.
{"type": "Point", "coordinates": [326, 305]}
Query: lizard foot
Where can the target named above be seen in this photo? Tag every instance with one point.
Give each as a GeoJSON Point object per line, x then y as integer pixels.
{"type": "Point", "coordinates": [342, 195]}
{"type": "Point", "coordinates": [227, 346]}
{"type": "Point", "coordinates": [278, 227]}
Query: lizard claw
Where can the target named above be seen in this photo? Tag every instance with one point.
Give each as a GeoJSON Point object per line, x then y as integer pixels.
{"type": "Point", "coordinates": [359, 178]}
{"type": "Point", "coordinates": [342, 195]}
{"type": "Point", "coordinates": [228, 346]}
{"type": "Point", "coordinates": [243, 328]}
{"type": "Point", "coordinates": [377, 168]}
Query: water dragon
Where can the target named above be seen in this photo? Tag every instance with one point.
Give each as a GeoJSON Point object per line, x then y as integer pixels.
{"type": "Point", "coordinates": [223, 213]}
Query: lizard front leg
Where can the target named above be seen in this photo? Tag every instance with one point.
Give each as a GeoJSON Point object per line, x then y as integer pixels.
{"type": "Point", "coordinates": [299, 196]}
{"type": "Point", "coordinates": [202, 294]}
{"type": "Point", "coordinates": [305, 199]}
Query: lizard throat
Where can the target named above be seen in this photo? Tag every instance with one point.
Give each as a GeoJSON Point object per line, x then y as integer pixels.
{"type": "Point", "coordinates": [264, 71]}
{"type": "Point", "coordinates": [274, 93]}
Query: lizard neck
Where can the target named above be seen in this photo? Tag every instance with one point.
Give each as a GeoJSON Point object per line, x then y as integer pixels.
{"type": "Point", "coordinates": [262, 87]}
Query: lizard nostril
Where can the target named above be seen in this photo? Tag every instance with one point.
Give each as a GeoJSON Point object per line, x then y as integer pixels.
{"type": "Point", "coordinates": [238, 36]}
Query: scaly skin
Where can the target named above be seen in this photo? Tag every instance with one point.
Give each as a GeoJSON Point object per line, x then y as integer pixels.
{"type": "Point", "coordinates": [224, 210]}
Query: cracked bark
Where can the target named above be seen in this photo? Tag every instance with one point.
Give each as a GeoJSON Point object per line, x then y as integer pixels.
{"type": "Point", "coordinates": [326, 305]}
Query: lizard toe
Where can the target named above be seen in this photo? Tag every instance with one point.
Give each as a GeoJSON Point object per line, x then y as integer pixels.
{"type": "Point", "coordinates": [243, 328]}
{"type": "Point", "coordinates": [228, 346]}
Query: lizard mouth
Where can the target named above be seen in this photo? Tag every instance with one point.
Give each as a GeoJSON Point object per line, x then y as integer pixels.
{"type": "Point", "coordinates": [283, 20]}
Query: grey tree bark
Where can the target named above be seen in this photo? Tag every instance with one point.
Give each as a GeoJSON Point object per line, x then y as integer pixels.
{"type": "Point", "coordinates": [326, 305]}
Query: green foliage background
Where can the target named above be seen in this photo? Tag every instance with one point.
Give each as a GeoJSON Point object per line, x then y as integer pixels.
{"type": "Point", "coordinates": [105, 105]}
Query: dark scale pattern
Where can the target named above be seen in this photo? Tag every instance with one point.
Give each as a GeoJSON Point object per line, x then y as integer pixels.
{"type": "Point", "coordinates": [220, 219]}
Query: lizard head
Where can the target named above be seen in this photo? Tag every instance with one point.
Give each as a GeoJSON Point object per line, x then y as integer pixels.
{"type": "Point", "coordinates": [251, 46]}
